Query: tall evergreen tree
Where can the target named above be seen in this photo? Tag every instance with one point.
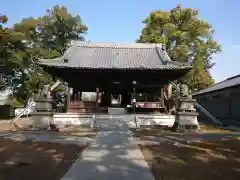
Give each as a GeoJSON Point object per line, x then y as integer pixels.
{"type": "Point", "coordinates": [187, 39]}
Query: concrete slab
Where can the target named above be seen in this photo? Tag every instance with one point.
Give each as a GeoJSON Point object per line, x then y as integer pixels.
{"type": "Point", "coordinates": [113, 155]}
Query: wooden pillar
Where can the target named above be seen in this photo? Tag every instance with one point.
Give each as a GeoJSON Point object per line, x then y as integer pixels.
{"type": "Point", "coordinates": [145, 97]}
{"type": "Point", "coordinates": [68, 97]}
{"type": "Point", "coordinates": [169, 100]}
{"type": "Point", "coordinates": [162, 97]}
{"type": "Point", "coordinates": [75, 96]}
{"type": "Point", "coordinates": [79, 96]}
{"type": "Point", "coordinates": [106, 98]}
{"type": "Point", "coordinates": [71, 94]}
{"type": "Point", "coordinates": [169, 91]}
{"type": "Point", "coordinates": [124, 102]}
{"type": "Point", "coordinates": [126, 99]}
{"type": "Point", "coordinates": [109, 98]}
{"type": "Point", "coordinates": [97, 98]}
{"type": "Point", "coordinates": [129, 98]}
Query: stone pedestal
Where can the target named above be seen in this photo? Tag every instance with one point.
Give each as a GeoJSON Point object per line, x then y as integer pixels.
{"type": "Point", "coordinates": [186, 105]}
{"type": "Point", "coordinates": [186, 121]}
{"type": "Point", "coordinates": [44, 105]}
{"type": "Point", "coordinates": [186, 116]}
{"type": "Point", "coordinates": [42, 120]}
{"type": "Point", "coordinates": [43, 116]}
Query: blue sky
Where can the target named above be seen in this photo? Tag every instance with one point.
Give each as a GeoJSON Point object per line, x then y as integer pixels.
{"type": "Point", "coordinates": [120, 21]}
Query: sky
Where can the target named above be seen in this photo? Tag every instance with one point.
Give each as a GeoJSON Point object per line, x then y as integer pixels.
{"type": "Point", "coordinates": [121, 21]}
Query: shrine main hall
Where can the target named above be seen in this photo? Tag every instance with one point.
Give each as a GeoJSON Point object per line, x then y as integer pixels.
{"type": "Point", "coordinates": [113, 69]}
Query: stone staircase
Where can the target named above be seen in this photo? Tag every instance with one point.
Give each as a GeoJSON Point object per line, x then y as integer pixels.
{"type": "Point", "coordinates": [112, 120]}
{"type": "Point", "coordinates": [64, 119]}
{"type": "Point", "coordinates": [82, 107]}
{"type": "Point", "coordinates": [102, 120]}
{"type": "Point", "coordinates": [87, 120]}
{"type": "Point", "coordinates": [163, 120]}
{"type": "Point", "coordinates": [116, 110]}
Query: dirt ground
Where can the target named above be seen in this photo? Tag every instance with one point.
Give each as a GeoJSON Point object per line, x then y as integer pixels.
{"type": "Point", "coordinates": [204, 159]}
{"type": "Point", "coordinates": [26, 160]}
{"type": "Point", "coordinates": [80, 132]}
{"type": "Point", "coordinates": [218, 160]}
{"type": "Point", "coordinates": [68, 131]}
{"type": "Point", "coordinates": [160, 132]}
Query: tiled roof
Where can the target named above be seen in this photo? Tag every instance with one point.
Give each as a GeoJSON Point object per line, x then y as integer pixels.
{"type": "Point", "coordinates": [230, 82]}
{"type": "Point", "coordinates": [136, 56]}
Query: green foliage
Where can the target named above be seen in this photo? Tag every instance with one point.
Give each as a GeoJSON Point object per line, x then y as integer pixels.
{"type": "Point", "coordinates": [14, 103]}
{"type": "Point", "coordinates": [13, 55]}
{"type": "Point", "coordinates": [187, 39]}
{"type": "Point", "coordinates": [22, 45]}
{"type": "Point", "coordinates": [58, 27]}
{"type": "Point", "coordinates": [61, 88]}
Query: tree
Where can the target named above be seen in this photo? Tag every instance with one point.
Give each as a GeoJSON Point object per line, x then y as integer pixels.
{"type": "Point", "coordinates": [57, 28]}
{"type": "Point", "coordinates": [13, 55]}
{"type": "Point", "coordinates": [3, 19]}
{"type": "Point", "coordinates": [45, 37]}
{"type": "Point", "coordinates": [187, 39]}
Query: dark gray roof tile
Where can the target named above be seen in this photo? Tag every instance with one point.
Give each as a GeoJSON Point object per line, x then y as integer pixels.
{"type": "Point", "coordinates": [115, 56]}
{"type": "Point", "coordinates": [230, 82]}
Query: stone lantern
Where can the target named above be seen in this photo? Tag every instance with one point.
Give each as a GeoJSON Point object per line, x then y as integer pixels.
{"type": "Point", "coordinates": [43, 115]}
{"type": "Point", "coordinates": [186, 115]}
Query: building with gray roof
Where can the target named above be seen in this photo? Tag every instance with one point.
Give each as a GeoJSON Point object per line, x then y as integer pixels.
{"type": "Point", "coordinates": [113, 67]}
{"type": "Point", "coordinates": [222, 99]}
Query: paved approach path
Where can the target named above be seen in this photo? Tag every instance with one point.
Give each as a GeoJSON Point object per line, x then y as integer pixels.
{"type": "Point", "coordinates": [114, 155]}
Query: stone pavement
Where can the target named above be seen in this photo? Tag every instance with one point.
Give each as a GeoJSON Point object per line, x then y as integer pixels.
{"type": "Point", "coordinates": [31, 136]}
{"type": "Point", "coordinates": [114, 155]}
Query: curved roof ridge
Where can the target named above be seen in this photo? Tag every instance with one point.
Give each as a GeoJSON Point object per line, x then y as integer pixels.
{"type": "Point", "coordinates": [138, 56]}
{"type": "Point", "coordinates": [116, 45]}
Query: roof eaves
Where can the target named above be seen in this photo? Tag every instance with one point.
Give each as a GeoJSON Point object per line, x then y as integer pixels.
{"type": "Point", "coordinates": [227, 83]}
{"type": "Point", "coordinates": [51, 61]}
{"type": "Point", "coordinates": [164, 57]}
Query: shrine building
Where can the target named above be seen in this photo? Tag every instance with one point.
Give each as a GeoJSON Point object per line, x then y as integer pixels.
{"type": "Point", "coordinates": [113, 70]}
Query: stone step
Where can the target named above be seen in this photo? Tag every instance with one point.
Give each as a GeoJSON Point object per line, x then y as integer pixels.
{"type": "Point", "coordinates": [116, 110]}
{"type": "Point", "coordinates": [82, 110]}
{"type": "Point", "coordinates": [72, 115]}
{"type": "Point", "coordinates": [160, 120]}
{"type": "Point", "coordinates": [73, 119]}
